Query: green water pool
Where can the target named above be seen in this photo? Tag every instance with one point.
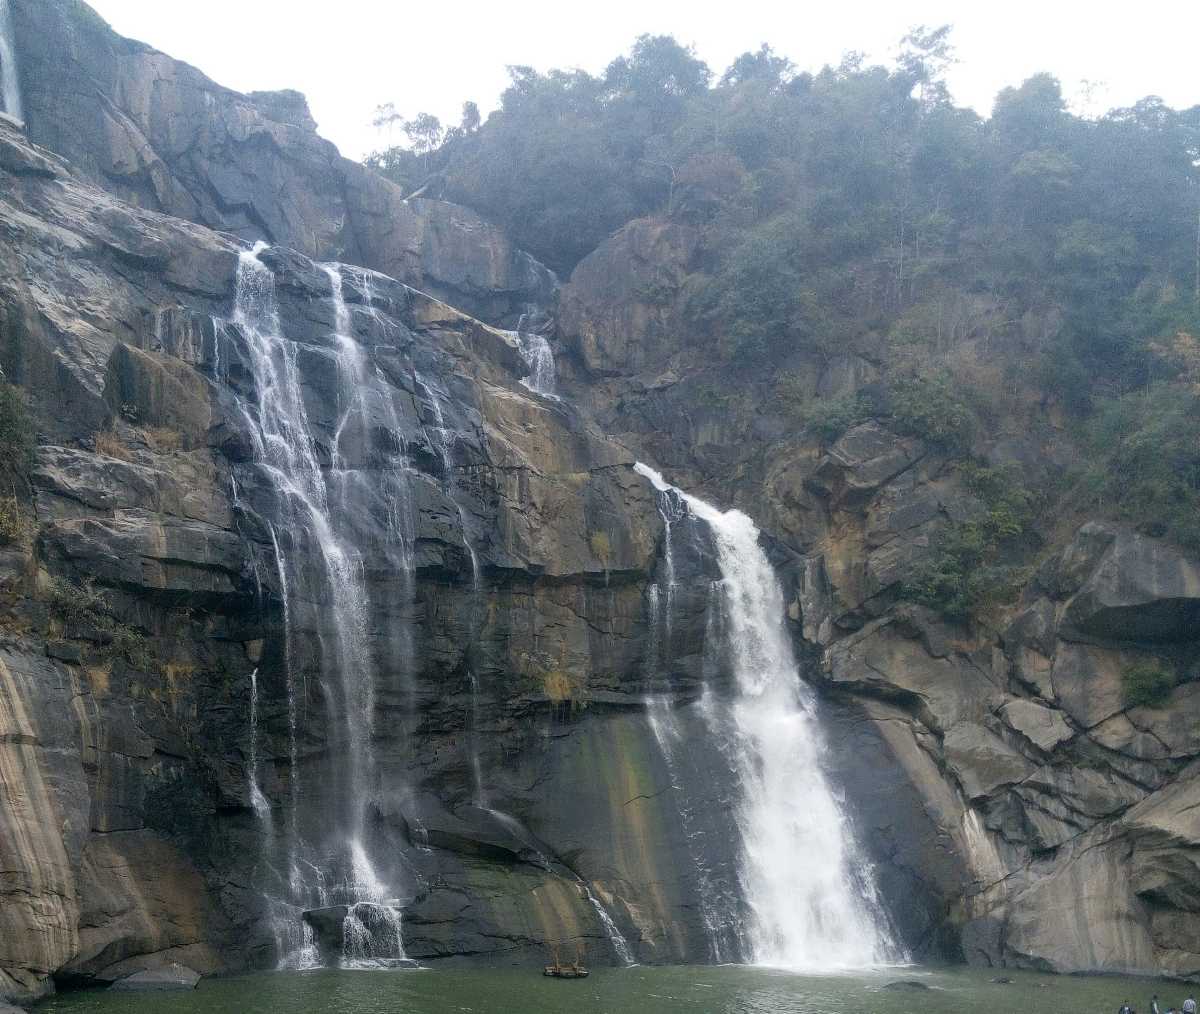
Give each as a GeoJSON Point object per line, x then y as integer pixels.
{"type": "Point", "coordinates": [641, 990]}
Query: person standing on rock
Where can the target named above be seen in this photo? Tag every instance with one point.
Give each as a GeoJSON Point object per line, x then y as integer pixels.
{"type": "Point", "coordinates": [1189, 1005]}
{"type": "Point", "coordinates": [1154, 1005]}
{"type": "Point", "coordinates": [1125, 1008]}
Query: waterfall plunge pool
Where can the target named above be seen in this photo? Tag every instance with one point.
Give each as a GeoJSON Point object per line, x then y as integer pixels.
{"type": "Point", "coordinates": [723, 989]}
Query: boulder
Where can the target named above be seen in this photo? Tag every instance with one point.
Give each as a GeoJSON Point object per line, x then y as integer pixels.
{"type": "Point", "coordinates": [328, 926]}
{"type": "Point", "coordinates": [1046, 728]}
{"type": "Point", "coordinates": [620, 310]}
{"type": "Point", "coordinates": [170, 978]}
{"type": "Point", "coordinates": [1079, 914]}
{"type": "Point", "coordinates": [982, 761]}
{"type": "Point", "coordinates": [1130, 587]}
{"type": "Point", "coordinates": [1087, 682]}
{"type": "Point", "coordinates": [863, 459]}
{"type": "Point", "coordinates": [879, 660]}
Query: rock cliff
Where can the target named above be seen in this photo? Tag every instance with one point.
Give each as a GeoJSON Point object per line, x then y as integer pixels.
{"type": "Point", "coordinates": [160, 135]}
{"type": "Point", "coordinates": [169, 731]}
{"type": "Point", "coordinates": [149, 598]}
{"type": "Point", "coordinates": [1028, 770]}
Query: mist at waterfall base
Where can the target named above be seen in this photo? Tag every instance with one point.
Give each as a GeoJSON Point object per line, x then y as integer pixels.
{"type": "Point", "coordinates": [727, 989]}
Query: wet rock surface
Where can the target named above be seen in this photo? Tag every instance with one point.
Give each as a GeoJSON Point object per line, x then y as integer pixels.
{"type": "Point", "coordinates": [151, 593]}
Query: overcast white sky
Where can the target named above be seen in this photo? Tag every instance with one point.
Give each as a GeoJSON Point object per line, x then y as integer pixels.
{"type": "Point", "coordinates": [350, 56]}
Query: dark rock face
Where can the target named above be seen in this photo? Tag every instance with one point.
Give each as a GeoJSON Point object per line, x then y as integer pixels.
{"type": "Point", "coordinates": [620, 314]}
{"type": "Point", "coordinates": [132, 836]}
{"type": "Point", "coordinates": [160, 135]}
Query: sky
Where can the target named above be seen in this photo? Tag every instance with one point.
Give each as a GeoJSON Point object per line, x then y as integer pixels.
{"type": "Point", "coordinates": [351, 56]}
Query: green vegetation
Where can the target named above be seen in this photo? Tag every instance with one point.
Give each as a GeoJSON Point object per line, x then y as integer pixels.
{"type": "Point", "coordinates": [15, 527]}
{"type": "Point", "coordinates": [967, 569]}
{"type": "Point", "coordinates": [601, 548]}
{"type": "Point", "coordinates": [1145, 468]}
{"type": "Point", "coordinates": [828, 418]}
{"type": "Point", "coordinates": [1147, 684]}
{"type": "Point", "coordinates": [16, 433]}
{"type": "Point", "coordinates": [1036, 268]}
{"type": "Point", "coordinates": [931, 408]}
{"type": "Point", "coordinates": [83, 605]}
{"type": "Point", "coordinates": [16, 460]}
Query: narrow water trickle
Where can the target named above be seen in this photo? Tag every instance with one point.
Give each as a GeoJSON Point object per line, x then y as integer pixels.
{"type": "Point", "coordinates": [262, 809]}
{"type": "Point", "coordinates": [809, 893]}
{"type": "Point", "coordinates": [10, 82]}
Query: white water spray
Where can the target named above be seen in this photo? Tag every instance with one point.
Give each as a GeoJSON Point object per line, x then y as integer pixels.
{"type": "Point", "coordinates": [536, 352]}
{"type": "Point", "coordinates": [810, 895]}
{"type": "Point", "coordinates": [10, 83]}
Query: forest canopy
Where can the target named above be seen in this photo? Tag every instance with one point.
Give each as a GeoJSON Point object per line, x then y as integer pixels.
{"type": "Point", "coordinates": [860, 208]}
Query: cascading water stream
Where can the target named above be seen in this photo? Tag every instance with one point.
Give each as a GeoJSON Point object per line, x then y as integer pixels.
{"type": "Point", "coordinates": [810, 896]}
{"type": "Point", "coordinates": [539, 357]}
{"type": "Point", "coordinates": [542, 377]}
{"type": "Point", "coordinates": [322, 582]}
{"type": "Point", "coordinates": [10, 82]}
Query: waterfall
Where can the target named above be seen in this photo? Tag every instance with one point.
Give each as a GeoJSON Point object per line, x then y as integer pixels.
{"type": "Point", "coordinates": [542, 379]}
{"type": "Point", "coordinates": [325, 601]}
{"type": "Point", "coordinates": [10, 83]}
{"type": "Point", "coordinates": [539, 357]}
{"type": "Point", "coordinates": [809, 894]}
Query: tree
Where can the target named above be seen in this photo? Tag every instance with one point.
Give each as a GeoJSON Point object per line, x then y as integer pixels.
{"type": "Point", "coordinates": [424, 132]}
{"type": "Point", "coordinates": [762, 65]}
{"type": "Point", "coordinates": [470, 118]}
{"type": "Point", "coordinates": [386, 118]}
{"type": "Point", "coordinates": [925, 55]}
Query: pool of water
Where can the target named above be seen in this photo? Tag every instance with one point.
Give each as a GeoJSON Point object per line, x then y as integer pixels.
{"type": "Point", "coordinates": [643, 990]}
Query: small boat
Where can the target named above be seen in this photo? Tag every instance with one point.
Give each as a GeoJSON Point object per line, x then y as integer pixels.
{"type": "Point", "coordinates": [565, 972]}
{"type": "Point", "coordinates": [574, 970]}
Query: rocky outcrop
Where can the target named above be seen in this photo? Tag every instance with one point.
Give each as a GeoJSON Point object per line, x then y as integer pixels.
{"type": "Point", "coordinates": [172, 978]}
{"type": "Point", "coordinates": [159, 134]}
{"type": "Point", "coordinates": [620, 313]}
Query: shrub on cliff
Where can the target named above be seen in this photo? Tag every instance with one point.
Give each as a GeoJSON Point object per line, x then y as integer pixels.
{"type": "Point", "coordinates": [84, 605]}
{"type": "Point", "coordinates": [928, 406]}
{"type": "Point", "coordinates": [968, 569]}
{"type": "Point", "coordinates": [16, 432]}
{"type": "Point", "coordinates": [1147, 684]}
{"type": "Point", "coordinates": [1146, 461]}
{"type": "Point", "coordinates": [15, 526]}
{"type": "Point", "coordinates": [828, 418]}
